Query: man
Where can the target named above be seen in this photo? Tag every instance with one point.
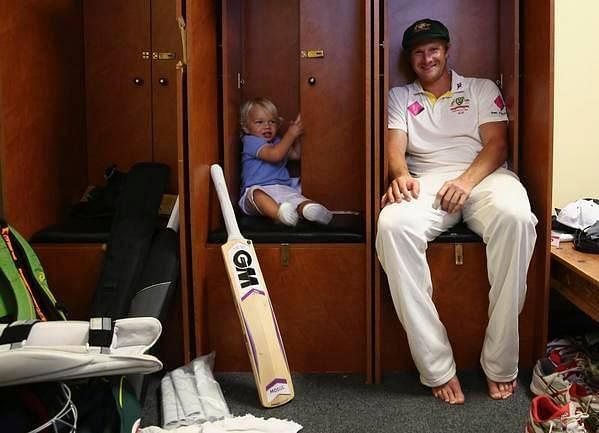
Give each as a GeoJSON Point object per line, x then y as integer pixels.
{"type": "Point", "coordinates": [447, 147]}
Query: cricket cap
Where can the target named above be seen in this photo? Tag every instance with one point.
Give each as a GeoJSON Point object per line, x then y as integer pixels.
{"type": "Point", "coordinates": [422, 30]}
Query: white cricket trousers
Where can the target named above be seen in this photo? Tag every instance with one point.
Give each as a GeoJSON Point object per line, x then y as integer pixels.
{"type": "Point", "coordinates": [497, 210]}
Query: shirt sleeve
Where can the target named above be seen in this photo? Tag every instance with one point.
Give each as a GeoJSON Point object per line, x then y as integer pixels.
{"type": "Point", "coordinates": [491, 106]}
{"type": "Point", "coordinates": [252, 144]}
{"type": "Point", "coordinates": [397, 109]}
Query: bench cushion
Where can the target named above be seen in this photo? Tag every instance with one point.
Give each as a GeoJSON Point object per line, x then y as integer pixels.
{"type": "Point", "coordinates": [344, 228]}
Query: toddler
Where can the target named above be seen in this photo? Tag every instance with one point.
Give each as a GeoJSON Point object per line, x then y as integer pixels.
{"type": "Point", "coordinates": [266, 186]}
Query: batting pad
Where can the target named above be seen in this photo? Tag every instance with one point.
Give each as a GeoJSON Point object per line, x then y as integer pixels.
{"type": "Point", "coordinates": [60, 350]}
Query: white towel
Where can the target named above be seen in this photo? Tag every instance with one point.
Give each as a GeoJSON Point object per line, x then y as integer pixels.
{"type": "Point", "coordinates": [245, 424]}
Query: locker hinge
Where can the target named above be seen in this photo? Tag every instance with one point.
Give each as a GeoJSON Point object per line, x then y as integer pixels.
{"type": "Point", "coordinates": [183, 32]}
{"type": "Point", "coordinates": [459, 254]}
{"type": "Point", "coordinates": [284, 254]}
{"type": "Point", "coordinates": [500, 81]}
{"type": "Point", "coordinates": [240, 81]}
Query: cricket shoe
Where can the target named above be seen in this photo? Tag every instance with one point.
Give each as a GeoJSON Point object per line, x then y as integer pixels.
{"type": "Point", "coordinates": [548, 417]}
{"type": "Point", "coordinates": [589, 404]}
{"type": "Point", "coordinates": [555, 381]}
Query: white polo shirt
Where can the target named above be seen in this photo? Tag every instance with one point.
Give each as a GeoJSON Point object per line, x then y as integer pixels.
{"type": "Point", "coordinates": [443, 134]}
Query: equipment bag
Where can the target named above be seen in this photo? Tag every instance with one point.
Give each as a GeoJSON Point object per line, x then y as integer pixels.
{"type": "Point", "coordinates": [24, 291]}
{"type": "Point", "coordinates": [131, 234]}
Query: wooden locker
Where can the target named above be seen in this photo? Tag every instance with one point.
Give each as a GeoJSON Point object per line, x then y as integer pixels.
{"type": "Point", "coordinates": [484, 43]}
{"type": "Point", "coordinates": [268, 51]}
{"type": "Point", "coordinates": [131, 51]}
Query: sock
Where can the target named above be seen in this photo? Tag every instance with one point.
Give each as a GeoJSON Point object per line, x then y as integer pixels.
{"type": "Point", "coordinates": [287, 214]}
{"type": "Point", "coordinates": [317, 213]}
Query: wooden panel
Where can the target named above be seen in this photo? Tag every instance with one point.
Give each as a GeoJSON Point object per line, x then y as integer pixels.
{"type": "Point", "coordinates": [42, 144]}
{"type": "Point", "coordinates": [232, 31]}
{"type": "Point", "coordinates": [270, 30]}
{"type": "Point", "coordinates": [473, 30]}
{"type": "Point", "coordinates": [271, 53]}
{"type": "Point", "coordinates": [318, 300]}
{"type": "Point", "coordinates": [203, 143]}
{"type": "Point", "coordinates": [460, 294]}
{"type": "Point", "coordinates": [119, 122]}
{"type": "Point", "coordinates": [165, 39]}
{"type": "Point", "coordinates": [509, 64]}
{"type": "Point", "coordinates": [332, 109]}
{"type": "Point", "coordinates": [72, 271]}
{"type": "Point", "coordinates": [536, 150]}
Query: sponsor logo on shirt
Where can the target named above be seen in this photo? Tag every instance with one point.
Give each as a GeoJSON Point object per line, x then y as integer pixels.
{"type": "Point", "coordinates": [499, 102]}
{"type": "Point", "coordinates": [415, 108]}
{"type": "Point", "coordinates": [460, 105]}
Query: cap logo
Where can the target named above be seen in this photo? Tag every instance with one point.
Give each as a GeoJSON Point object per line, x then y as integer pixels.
{"type": "Point", "coordinates": [421, 27]}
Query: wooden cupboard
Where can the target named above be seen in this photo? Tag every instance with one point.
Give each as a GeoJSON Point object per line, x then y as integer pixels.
{"type": "Point", "coordinates": [66, 59]}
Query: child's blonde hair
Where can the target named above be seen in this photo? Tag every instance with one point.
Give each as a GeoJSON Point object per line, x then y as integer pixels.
{"type": "Point", "coordinates": [264, 103]}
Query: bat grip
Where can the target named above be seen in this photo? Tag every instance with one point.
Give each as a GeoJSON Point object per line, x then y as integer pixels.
{"type": "Point", "coordinates": [218, 179]}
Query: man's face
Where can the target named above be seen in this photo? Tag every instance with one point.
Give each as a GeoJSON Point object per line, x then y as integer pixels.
{"type": "Point", "coordinates": [429, 60]}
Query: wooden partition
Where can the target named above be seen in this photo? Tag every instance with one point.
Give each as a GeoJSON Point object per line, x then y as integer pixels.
{"type": "Point", "coordinates": [42, 135]}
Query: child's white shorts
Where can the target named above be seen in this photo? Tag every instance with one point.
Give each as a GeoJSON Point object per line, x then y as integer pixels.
{"type": "Point", "coordinates": [279, 193]}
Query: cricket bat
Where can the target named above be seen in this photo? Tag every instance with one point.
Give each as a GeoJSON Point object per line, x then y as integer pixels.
{"type": "Point", "coordinates": [262, 337]}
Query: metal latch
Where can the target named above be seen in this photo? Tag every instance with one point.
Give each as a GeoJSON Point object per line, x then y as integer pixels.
{"type": "Point", "coordinates": [312, 54]}
{"type": "Point", "coordinates": [164, 56]}
{"type": "Point", "coordinates": [459, 253]}
{"type": "Point", "coordinates": [284, 254]}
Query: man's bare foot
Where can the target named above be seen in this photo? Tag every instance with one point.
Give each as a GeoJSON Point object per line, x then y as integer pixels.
{"type": "Point", "coordinates": [501, 390]}
{"type": "Point", "coordinates": [451, 392]}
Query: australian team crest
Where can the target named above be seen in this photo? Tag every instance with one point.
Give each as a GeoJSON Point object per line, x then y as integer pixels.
{"type": "Point", "coordinates": [460, 105]}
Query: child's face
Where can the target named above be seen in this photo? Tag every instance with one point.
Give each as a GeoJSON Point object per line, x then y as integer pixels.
{"type": "Point", "coordinates": [261, 123]}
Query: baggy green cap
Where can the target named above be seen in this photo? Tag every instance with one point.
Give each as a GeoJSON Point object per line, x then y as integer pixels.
{"type": "Point", "coordinates": [422, 30]}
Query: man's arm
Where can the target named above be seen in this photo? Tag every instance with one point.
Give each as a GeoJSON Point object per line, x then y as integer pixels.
{"type": "Point", "coordinates": [453, 193]}
{"type": "Point", "coordinates": [402, 186]}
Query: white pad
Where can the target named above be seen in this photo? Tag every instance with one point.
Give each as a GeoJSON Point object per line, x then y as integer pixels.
{"type": "Point", "coordinates": [59, 350]}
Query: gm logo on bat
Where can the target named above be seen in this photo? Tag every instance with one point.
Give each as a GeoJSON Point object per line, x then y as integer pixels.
{"type": "Point", "coordinates": [246, 274]}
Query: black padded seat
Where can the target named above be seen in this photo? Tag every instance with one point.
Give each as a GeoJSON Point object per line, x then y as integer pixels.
{"type": "Point", "coordinates": [81, 231]}
{"type": "Point", "coordinates": [460, 233]}
{"type": "Point", "coordinates": [77, 231]}
{"type": "Point", "coordinates": [344, 228]}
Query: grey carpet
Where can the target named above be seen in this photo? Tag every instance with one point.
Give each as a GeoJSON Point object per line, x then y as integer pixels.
{"type": "Point", "coordinates": [334, 403]}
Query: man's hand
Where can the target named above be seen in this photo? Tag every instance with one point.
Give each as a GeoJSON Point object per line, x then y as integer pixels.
{"type": "Point", "coordinates": [453, 194]}
{"type": "Point", "coordinates": [401, 188]}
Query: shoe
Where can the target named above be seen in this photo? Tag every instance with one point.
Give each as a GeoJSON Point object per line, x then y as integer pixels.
{"type": "Point", "coordinates": [317, 213]}
{"type": "Point", "coordinates": [287, 214]}
{"type": "Point", "coordinates": [589, 404]}
{"type": "Point", "coordinates": [555, 381]}
{"type": "Point", "coordinates": [546, 416]}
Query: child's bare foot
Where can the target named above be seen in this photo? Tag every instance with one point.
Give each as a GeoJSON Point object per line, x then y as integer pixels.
{"type": "Point", "coordinates": [451, 392]}
{"type": "Point", "coordinates": [501, 390]}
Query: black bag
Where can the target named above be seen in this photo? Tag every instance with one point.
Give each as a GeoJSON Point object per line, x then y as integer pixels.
{"type": "Point", "coordinates": [587, 240]}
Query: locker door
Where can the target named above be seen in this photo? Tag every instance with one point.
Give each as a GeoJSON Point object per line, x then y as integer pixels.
{"type": "Point", "coordinates": [332, 102]}
{"type": "Point", "coordinates": [118, 84]}
{"type": "Point", "coordinates": [166, 51]}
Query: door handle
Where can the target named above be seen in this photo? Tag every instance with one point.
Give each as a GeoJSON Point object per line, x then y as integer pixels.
{"type": "Point", "coordinates": [163, 81]}
{"type": "Point", "coordinates": [138, 81]}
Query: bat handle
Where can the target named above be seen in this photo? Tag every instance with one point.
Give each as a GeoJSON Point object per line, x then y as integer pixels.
{"type": "Point", "coordinates": [218, 179]}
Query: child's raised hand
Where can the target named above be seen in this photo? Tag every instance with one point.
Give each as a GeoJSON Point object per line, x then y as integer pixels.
{"type": "Point", "coordinates": [296, 127]}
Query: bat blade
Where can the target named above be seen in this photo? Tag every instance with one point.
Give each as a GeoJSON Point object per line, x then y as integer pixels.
{"type": "Point", "coordinates": [252, 302]}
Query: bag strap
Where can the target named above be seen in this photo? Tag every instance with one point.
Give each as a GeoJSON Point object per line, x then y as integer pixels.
{"type": "Point", "coordinates": [35, 283]}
